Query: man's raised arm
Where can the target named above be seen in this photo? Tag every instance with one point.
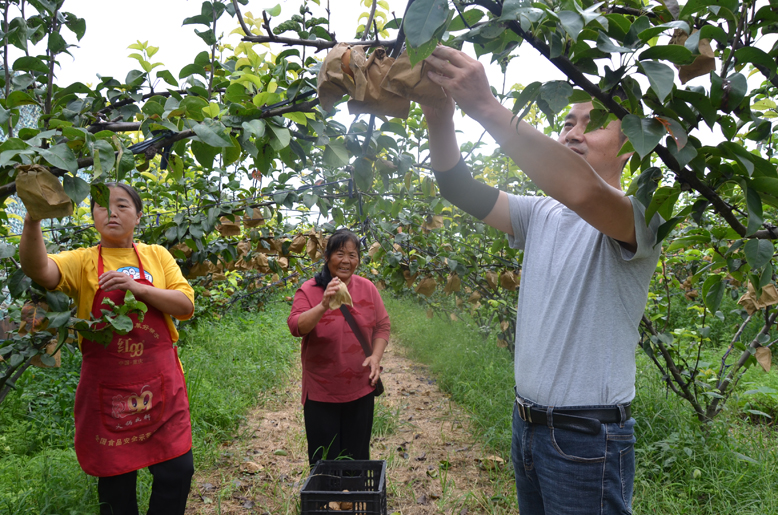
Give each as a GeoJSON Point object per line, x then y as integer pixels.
{"type": "Point", "coordinates": [455, 181]}
{"type": "Point", "coordinates": [561, 169]}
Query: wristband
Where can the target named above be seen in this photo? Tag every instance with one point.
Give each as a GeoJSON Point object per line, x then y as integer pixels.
{"type": "Point", "coordinates": [471, 196]}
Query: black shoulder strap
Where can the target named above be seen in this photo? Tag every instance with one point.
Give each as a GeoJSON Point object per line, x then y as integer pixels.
{"type": "Point", "coordinates": [357, 332]}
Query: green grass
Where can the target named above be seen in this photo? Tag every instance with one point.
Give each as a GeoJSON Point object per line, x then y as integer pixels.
{"type": "Point", "coordinates": [729, 468]}
{"type": "Point", "coordinates": [473, 369]}
{"type": "Point", "coordinates": [231, 365]}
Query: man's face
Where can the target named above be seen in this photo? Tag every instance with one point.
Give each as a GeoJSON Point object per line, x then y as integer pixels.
{"type": "Point", "coordinates": [600, 147]}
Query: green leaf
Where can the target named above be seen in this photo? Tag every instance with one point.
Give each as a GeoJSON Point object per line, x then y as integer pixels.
{"type": "Point", "coordinates": [713, 292]}
{"type": "Point", "coordinates": [572, 22]}
{"type": "Point", "coordinates": [30, 64]}
{"type": "Point", "coordinates": [207, 36]}
{"type": "Point", "coordinates": [707, 32]}
{"type": "Point", "coordinates": [645, 185]}
{"type": "Point", "coordinates": [7, 251]}
{"type": "Point", "coordinates": [423, 19]}
{"type": "Point", "coordinates": [660, 76]}
{"type": "Point", "coordinates": [605, 44]}
{"type": "Point", "coordinates": [663, 201]}
{"type": "Point", "coordinates": [676, 54]}
{"type": "Point", "coordinates": [473, 16]}
{"type": "Point", "coordinates": [56, 43]}
{"type": "Point", "coordinates": [212, 134]}
{"type": "Point", "coordinates": [754, 203]}
{"type": "Point", "coordinates": [767, 185]}
{"type": "Point", "coordinates": [335, 154]}
{"type": "Point", "coordinates": [643, 133]}
{"type": "Point", "coordinates": [758, 252]}
{"type": "Point", "coordinates": [281, 138]}
{"type": "Point", "coordinates": [417, 55]}
{"type": "Point", "coordinates": [106, 155]}
{"type": "Point", "coordinates": [556, 94]}
{"type": "Point", "coordinates": [17, 33]}
{"type": "Point", "coordinates": [363, 173]}
{"type": "Point", "coordinates": [756, 56]}
{"type": "Point", "coordinates": [76, 188]}
{"type": "Point", "coordinates": [77, 26]}
{"type": "Point", "coordinates": [255, 127]}
{"type": "Point", "coordinates": [18, 283]}
{"type": "Point", "coordinates": [122, 323]}
{"type": "Point", "coordinates": [58, 319]}
{"type": "Point", "coordinates": [61, 156]}
{"type": "Point", "coordinates": [167, 77]}
{"type": "Point", "coordinates": [204, 153]}
{"type": "Point", "coordinates": [101, 194]}
{"type": "Point", "coordinates": [274, 11]}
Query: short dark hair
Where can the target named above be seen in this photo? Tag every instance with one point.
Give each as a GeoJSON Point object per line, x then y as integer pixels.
{"type": "Point", "coordinates": [127, 188]}
{"type": "Point", "coordinates": [337, 241]}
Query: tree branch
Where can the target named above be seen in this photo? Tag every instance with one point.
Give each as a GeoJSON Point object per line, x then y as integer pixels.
{"type": "Point", "coordinates": [676, 374]}
{"type": "Point", "coordinates": [318, 44]}
{"type": "Point", "coordinates": [369, 21]}
{"type": "Point", "coordinates": [577, 77]}
{"type": "Point", "coordinates": [243, 25]}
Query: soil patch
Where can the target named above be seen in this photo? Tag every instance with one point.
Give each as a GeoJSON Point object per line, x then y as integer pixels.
{"type": "Point", "coordinates": [433, 463]}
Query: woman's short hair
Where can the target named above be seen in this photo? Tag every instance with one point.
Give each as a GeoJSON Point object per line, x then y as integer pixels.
{"type": "Point", "coordinates": [130, 191]}
{"type": "Point", "coordinates": [337, 241]}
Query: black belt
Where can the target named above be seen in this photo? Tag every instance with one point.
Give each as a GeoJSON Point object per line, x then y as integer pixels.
{"type": "Point", "coordinates": [583, 420]}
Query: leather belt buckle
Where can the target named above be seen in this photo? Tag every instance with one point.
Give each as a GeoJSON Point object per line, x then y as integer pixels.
{"type": "Point", "coordinates": [525, 409]}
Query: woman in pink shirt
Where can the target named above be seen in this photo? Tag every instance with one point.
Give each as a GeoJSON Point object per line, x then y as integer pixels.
{"type": "Point", "coordinates": [338, 380]}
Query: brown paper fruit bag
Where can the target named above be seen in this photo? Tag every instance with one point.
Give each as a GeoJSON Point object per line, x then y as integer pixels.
{"type": "Point", "coordinates": [228, 228]}
{"type": "Point", "coordinates": [333, 81]}
{"type": "Point", "coordinates": [413, 83]}
{"type": "Point", "coordinates": [36, 360]}
{"type": "Point", "coordinates": [42, 193]}
{"type": "Point", "coordinates": [254, 219]}
{"type": "Point", "coordinates": [369, 97]}
{"type": "Point", "coordinates": [702, 64]}
{"type": "Point", "coordinates": [340, 298]}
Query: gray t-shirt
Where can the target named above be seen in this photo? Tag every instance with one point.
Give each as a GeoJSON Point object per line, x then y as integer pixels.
{"type": "Point", "coordinates": [581, 299]}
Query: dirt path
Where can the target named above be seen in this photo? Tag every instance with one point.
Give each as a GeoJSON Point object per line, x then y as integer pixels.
{"type": "Point", "coordinates": [433, 465]}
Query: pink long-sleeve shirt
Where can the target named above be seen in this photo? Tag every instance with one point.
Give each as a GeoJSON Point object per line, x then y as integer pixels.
{"type": "Point", "coordinates": [331, 354]}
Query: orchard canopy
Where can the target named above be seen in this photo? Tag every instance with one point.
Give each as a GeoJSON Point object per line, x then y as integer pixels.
{"type": "Point", "coordinates": [244, 174]}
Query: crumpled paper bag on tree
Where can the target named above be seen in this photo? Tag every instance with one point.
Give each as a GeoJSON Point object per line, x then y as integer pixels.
{"type": "Point", "coordinates": [413, 83]}
{"type": "Point", "coordinates": [369, 97]}
{"type": "Point", "coordinates": [227, 227]}
{"type": "Point", "coordinates": [751, 304]}
{"type": "Point", "coordinates": [333, 82]}
{"type": "Point", "coordinates": [42, 193]}
{"type": "Point", "coordinates": [702, 65]}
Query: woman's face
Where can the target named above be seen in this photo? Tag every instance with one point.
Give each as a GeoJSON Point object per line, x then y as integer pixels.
{"type": "Point", "coordinates": [120, 226]}
{"type": "Point", "coordinates": [343, 261]}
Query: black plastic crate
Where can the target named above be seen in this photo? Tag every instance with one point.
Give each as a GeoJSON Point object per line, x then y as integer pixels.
{"type": "Point", "coordinates": [364, 480]}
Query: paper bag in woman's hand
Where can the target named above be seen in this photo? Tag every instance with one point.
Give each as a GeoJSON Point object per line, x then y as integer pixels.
{"type": "Point", "coordinates": [369, 97]}
{"type": "Point", "coordinates": [42, 193]}
{"type": "Point", "coordinates": [333, 81]}
{"type": "Point", "coordinates": [341, 297]}
{"type": "Point", "coordinates": [413, 83]}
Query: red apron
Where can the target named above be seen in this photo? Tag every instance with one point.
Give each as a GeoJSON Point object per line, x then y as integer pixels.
{"type": "Point", "coordinates": [131, 407]}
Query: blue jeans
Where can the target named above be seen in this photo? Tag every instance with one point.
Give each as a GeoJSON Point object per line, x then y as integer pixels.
{"type": "Point", "coordinates": [562, 472]}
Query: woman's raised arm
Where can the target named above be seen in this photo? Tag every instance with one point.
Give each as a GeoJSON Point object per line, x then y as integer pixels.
{"type": "Point", "coordinates": [34, 259]}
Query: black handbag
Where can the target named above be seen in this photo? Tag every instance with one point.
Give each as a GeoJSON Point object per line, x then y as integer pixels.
{"type": "Point", "coordinates": [379, 386]}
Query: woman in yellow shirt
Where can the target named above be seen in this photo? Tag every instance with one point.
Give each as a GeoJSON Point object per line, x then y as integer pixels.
{"type": "Point", "coordinates": [131, 408]}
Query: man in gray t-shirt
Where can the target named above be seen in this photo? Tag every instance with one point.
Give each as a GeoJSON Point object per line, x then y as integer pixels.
{"type": "Point", "coordinates": [588, 259]}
